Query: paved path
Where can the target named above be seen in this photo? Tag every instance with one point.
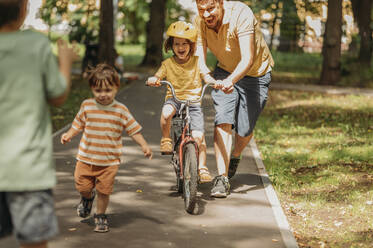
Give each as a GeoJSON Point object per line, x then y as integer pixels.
{"type": "Point", "coordinates": [145, 210]}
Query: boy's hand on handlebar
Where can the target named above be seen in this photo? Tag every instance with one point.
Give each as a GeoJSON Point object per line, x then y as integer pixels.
{"type": "Point", "coordinates": [153, 81]}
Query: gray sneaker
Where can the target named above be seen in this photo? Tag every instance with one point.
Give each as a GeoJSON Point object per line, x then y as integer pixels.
{"type": "Point", "coordinates": [220, 187]}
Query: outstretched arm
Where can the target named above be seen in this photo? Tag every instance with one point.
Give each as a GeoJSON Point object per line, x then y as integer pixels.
{"type": "Point", "coordinates": [247, 57]}
{"type": "Point", "coordinates": [66, 56]}
{"type": "Point", "coordinates": [139, 139]}
{"type": "Point", "coordinates": [66, 137]}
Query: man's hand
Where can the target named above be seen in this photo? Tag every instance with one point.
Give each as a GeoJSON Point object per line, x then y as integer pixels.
{"type": "Point", "coordinates": [153, 81]}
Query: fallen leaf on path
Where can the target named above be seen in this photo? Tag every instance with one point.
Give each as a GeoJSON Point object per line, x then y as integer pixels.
{"type": "Point", "coordinates": [139, 191]}
{"type": "Point", "coordinates": [274, 240]}
{"type": "Point", "coordinates": [72, 229]}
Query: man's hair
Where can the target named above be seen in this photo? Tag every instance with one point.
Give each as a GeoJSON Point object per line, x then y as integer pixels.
{"type": "Point", "coordinates": [9, 11]}
{"type": "Point", "coordinates": [103, 75]}
{"type": "Point", "coordinates": [170, 41]}
{"type": "Point", "coordinates": [204, 1]}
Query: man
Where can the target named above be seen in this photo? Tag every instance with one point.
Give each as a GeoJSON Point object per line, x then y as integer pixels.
{"type": "Point", "coordinates": [230, 30]}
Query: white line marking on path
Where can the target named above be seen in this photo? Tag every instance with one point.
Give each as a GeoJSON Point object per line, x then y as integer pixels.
{"type": "Point", "coordinates": [280, 217]}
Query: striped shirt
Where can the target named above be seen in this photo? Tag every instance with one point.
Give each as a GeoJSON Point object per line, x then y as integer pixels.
{"type": "Point", "coordinates": [102, 126]}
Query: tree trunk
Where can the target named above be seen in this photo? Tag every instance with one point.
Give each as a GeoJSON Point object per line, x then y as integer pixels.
{"type": "Point", "coordinates": [331, 72]}
{"type": "Point", "coordinates": [289, 27]}
{"type": "Point", "coordinates": [154, 33]}
{"type": "Point", "coordinates": [106, 36]}
{"type": "Point", "coordinates": [274, 24]}
{"type": "Point", "coordinates": [362, 14]}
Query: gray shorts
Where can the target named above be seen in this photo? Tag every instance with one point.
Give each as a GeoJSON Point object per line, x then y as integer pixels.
{"type": "Point", "coordinates": [196, 114]}
{"type": "Point", "coordinates": [29, 214]}
{"type": "Point", "coordinates": [243, 106]}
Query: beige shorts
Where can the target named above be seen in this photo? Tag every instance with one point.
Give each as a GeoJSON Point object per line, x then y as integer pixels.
{"type": "Point", "coordinates": [88, 176]}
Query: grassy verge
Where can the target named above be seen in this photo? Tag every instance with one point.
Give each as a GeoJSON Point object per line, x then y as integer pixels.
{"type": "Point", "coordinates": [318, 152]}
{"type": "Point", "coordinates": [305, 68]}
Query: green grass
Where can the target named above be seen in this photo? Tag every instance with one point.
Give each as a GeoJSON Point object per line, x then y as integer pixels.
{"type": "Point", "coordinates": [305, 68]}
{"type": "Point", "coordinates": [318, 153]}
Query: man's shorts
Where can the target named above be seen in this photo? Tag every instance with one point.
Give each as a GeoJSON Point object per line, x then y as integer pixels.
{"type": "Point", "coordinates": [29, 214]}
{"type": "Point", "coordinates": [89, 176]}
{"type": "Point", "coordinates": [243, 106]}
{"type": "Point", "coordinates": [195, 111]}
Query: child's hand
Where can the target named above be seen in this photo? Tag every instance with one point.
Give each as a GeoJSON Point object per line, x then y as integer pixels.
{"type": "Point", "coordinates": [147, 151]}
{"type": "Point", "coordinates": [228, 86]}
{"type": "Point", "coordinates": [153, 81]}
{"type": "Point", "coordinates": [219, 84]}
{"type": "Point", "coordinates": [65, 138]}
{"type": "Point", "coordinates": [66, 53]}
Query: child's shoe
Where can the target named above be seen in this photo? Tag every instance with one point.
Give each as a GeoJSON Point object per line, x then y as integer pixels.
{"type": "Point", "coordinates": [101, 223]}
{"type": "Point", "coordinates": [204, 175]}
{"type": "Point", "coordinates": [166, 146]}
{"type": "Point", "coordinates": [85, 206]}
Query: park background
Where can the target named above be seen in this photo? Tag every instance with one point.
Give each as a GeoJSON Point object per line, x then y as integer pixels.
{"type": "Point", "coordinates": [317, 147]}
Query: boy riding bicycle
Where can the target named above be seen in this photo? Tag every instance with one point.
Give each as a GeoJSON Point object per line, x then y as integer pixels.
{"type": "Point", "coordinates": [182, 70]}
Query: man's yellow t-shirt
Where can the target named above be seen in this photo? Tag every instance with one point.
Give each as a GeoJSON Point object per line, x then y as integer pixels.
{"type": "Point", "coordinates": [238, 21]}
{"type": "Point", "coordinates": [185, 78]}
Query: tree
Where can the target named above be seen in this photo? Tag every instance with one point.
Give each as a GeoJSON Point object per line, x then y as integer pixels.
{"type": "Point", "coordinates": [331, 68]}
{"type": "Point", "coordinates": [362, 10]}
{"type": "Point", "coordinates": [154, 33]}
{"type": "Point", "coordinates": [289, 27]}
{"type": "Point", "coordinates": [106, 36]}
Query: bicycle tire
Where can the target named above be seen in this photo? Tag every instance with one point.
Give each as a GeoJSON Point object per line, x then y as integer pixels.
{"type": "Point", "coordinates": [190, 177]}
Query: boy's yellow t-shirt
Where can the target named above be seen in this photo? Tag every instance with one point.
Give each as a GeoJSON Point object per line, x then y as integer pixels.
{"type": "Point", "coordinates": [185, 78]}
{"type": "Point", "coordinates": [238, 21]}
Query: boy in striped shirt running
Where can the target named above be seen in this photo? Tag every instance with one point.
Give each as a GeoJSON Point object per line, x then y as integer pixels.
{"type": "Point", "coordinates": [102, 120]}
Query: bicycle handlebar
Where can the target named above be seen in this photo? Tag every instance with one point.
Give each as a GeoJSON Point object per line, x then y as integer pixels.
{"type": "Point", "coordinates": [164, 82]}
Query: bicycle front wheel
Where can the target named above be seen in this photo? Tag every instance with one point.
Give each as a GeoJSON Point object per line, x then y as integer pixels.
{"type": "Point", "coordinates": [190, 177]}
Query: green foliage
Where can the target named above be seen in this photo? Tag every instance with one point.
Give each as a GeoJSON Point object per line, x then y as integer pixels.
{"type": "Point", "coordinates": [133, 16]}
{"type": "Point", "coordinates": [52, 10]}
{"type": "Point", "coordinates": [82, 18]}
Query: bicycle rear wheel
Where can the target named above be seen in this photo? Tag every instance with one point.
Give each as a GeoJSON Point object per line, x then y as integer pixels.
{"type": "Point", "coordinates": [190, 177]}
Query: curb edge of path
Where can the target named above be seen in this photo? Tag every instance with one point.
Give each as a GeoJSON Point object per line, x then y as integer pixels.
{"type": "Point", "coordinates": [286, 233]}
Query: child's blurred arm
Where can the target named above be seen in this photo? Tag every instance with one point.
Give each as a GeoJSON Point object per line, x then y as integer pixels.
{"type": "Point", "coordinates": [66, 137]}
{"type": "Point", "coordinates": [66, 56]}
{"type": "Point", "coordinates": [139, 139]}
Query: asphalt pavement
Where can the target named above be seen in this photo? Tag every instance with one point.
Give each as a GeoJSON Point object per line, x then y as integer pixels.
{"type": "Point", "coordinates": [146, 211]}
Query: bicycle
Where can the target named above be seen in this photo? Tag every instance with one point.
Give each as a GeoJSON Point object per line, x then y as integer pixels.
{"type": "Point", "coordinates": [185, 147]}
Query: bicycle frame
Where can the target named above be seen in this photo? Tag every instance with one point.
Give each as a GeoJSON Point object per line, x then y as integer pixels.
{"type": "Point", "coordinates": [186, 136]}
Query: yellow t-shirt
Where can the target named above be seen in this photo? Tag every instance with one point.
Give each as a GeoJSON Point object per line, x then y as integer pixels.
{"type": "Point", "coordinates": [238, 21]}
{"type": "Point", "coordinates": [185, 78]}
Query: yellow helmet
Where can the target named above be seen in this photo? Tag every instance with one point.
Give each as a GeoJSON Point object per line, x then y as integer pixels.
{"type": "Point", "coordinates": [183, 30]}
